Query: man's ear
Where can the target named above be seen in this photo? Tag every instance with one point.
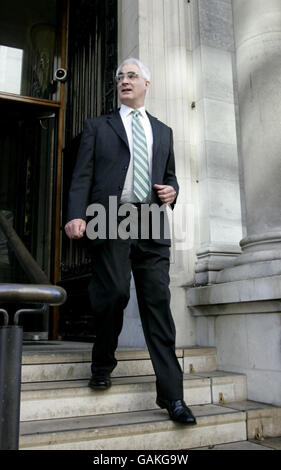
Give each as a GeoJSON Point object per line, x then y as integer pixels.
{"type": "Point", "coordinates": [147, 84]}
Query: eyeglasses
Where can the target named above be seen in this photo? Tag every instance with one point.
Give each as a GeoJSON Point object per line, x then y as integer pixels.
{"type": "Point", "coordinates": [130, 75]}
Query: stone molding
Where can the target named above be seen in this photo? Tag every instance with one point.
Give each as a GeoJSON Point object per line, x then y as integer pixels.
{"type": "Point", "coordinates": [261, 295]}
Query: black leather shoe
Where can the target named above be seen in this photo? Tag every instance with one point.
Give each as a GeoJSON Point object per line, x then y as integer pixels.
{"type": "Point", "coordinates": [100, 382]}
{"type": "Point", "coordinates": [177, 410]}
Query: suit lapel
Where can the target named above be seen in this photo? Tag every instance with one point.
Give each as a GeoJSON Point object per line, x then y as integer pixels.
{"type": "Point", "coordinates": [156, 131]}
{"type": "Point", "coordinates": [115, 121]}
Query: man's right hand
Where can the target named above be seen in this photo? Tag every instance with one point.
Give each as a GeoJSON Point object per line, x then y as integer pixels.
{"type": "Point", "coordinates": [75, 228]}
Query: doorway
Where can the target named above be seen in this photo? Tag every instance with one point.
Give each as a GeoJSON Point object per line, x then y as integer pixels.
{"type": "Point", "coordinates": [30, 106]}
{"type": "Point", "coordinates": [92, 61]}
{"type": "Point", "coordinates": [41, 122]}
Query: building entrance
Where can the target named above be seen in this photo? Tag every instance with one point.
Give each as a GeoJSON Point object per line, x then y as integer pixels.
{"type": "Point", "coordinates": [41, 121]}
{"type": "Point", "coordinates": [31, 49]}
{"type": "Point", "coordinates": [92, 61]}
{"type": "Point", "coordinates": [27, 159]}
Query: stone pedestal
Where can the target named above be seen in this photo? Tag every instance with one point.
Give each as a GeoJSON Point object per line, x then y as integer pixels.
{"type": "Point", "coordinates": [242, 320]}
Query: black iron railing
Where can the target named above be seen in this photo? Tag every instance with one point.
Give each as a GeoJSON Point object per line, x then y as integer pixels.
{"type": "Point", "coordinates": [41, 294]}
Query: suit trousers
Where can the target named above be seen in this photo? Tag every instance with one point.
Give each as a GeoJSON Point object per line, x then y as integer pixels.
{"type": "Point", "coordinates": [109, 292]}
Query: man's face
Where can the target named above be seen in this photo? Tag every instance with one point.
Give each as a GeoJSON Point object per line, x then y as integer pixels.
{"type": "Point", "coordinates": [132, 91]}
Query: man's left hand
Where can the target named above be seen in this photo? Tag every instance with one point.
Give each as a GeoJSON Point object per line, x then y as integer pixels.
{"type": "Point", "coordinates": [165, 193]}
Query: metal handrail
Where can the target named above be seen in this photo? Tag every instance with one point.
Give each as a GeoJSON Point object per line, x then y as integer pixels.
{"type": "Point", "coordinates": [11, 336]}
{"type": "Point", "coordinates": [32, 293]}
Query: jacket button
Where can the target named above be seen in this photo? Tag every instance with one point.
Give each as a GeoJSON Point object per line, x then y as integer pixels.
{"type": "Point", "coordinates": [119, 187]}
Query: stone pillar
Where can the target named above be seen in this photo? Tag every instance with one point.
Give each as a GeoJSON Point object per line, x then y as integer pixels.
{"type": "Point", "coordinates": [257, 26]}
{"type": "Point", "coordinates": [215, 138]}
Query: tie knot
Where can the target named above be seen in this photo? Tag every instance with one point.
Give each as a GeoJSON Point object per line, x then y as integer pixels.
{"type": "Point", "coordinates": [135, 113]}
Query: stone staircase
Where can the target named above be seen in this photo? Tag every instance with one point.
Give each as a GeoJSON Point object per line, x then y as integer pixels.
{"type": "Point", "coordinates": [60, 412]}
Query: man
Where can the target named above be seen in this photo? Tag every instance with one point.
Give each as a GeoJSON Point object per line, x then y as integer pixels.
{"type": "Point", "coordinates": [129, 155]}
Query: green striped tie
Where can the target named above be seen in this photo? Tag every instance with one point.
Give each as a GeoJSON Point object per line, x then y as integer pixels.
{"type": "Point", "coordinates": [140, 153]}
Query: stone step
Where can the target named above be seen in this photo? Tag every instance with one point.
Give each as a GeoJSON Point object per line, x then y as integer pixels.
{"type": "Point", "coordinates": [263, 420]}
{"type": "Point", "coordinates": [65, 399]}
{"type": "Point", "coordinates": [136, 430]}
{"type": "Point", "coordinates": [57, 360]}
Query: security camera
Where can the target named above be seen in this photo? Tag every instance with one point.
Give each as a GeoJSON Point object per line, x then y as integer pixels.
{"type": "Point", "coordinates": [61, 75]}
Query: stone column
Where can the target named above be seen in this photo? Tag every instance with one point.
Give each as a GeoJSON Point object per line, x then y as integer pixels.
{"type": "Point", "coordinates": [215, 138]}
{"type": "Point", "coordinates": [257, 26]}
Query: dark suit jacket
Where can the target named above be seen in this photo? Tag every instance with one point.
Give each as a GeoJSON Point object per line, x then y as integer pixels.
{"type": "Point", "coordinates": [103, 160]}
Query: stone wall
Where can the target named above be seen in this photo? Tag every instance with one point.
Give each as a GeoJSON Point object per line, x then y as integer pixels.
{"type": "Point", "coordinates": [216, 81]}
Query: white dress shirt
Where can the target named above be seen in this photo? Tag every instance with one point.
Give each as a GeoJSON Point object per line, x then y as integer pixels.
{"type": "Point", "coordinates": [126, 116]}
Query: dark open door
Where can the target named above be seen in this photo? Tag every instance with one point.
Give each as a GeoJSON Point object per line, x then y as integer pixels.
{"type": "Point", "coordinates": [92, 61]}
